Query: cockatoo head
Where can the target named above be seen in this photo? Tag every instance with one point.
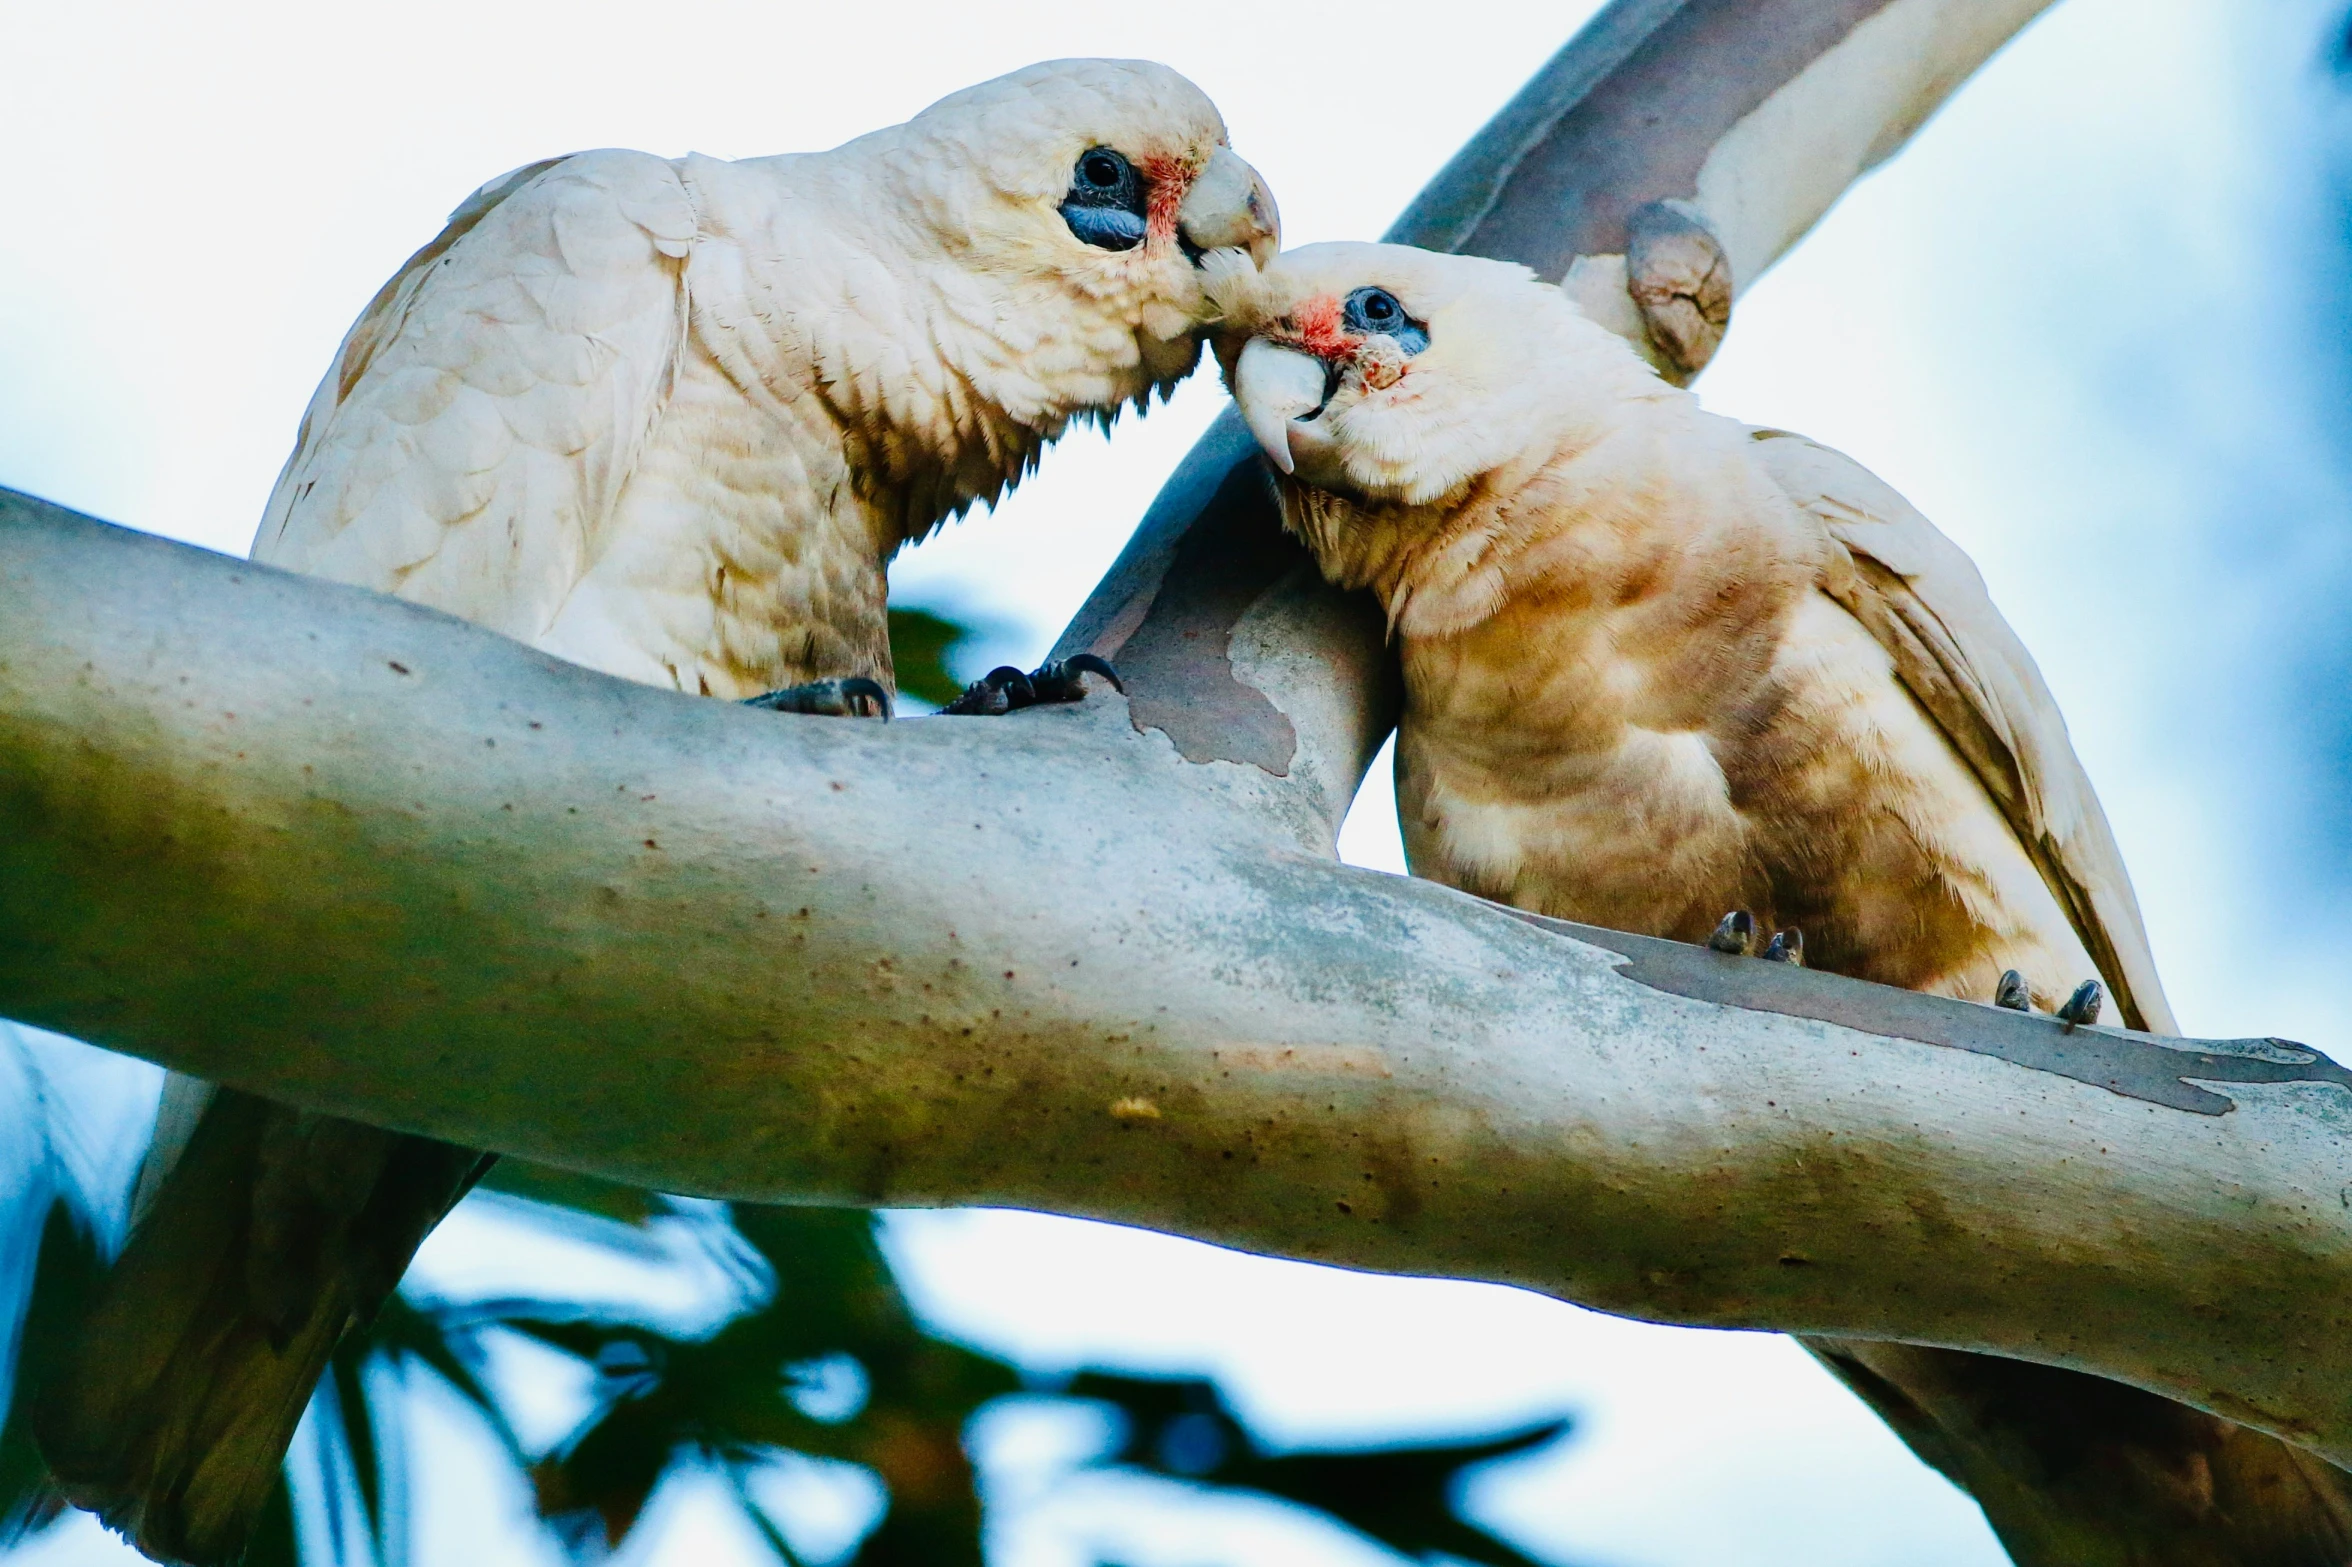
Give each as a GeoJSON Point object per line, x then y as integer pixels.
{"type": "Point", "coordinates": [1405, 399]}
{"type": "Point", "coordinates": [1393, 375]}
{"type": "Point", "coordinates": [1076, 203]}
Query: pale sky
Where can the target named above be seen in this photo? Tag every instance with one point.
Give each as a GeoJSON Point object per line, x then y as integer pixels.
{"type": "Point", "coordinates": [2092, 322]}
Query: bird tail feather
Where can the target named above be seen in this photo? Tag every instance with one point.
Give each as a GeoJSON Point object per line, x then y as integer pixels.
{"type": "Point", "coordinates": [274, 1234]}
{"type": "Point", "coordinates": [2073, 1470]}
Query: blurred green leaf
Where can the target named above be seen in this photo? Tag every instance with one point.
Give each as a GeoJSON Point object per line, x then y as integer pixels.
{"type": "Point", "coordinates": [1400, 1495]}
{"type": "Point", "coordinates": [591, 1194]}
{"type": "Point", "coordinates": [275, 1542]}
{"type": "Point", "coordinates": [730, 1399]}
{"type": "Point", "coordinates": [921, 644]}
{"type": "Point", "coordinates": [726, 1398]}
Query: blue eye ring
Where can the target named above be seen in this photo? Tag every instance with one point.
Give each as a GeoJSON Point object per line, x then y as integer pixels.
{"type": "Point", "coordinates": [1372, 311]}
{"type": "Point", "coordinates": [1105, 206]}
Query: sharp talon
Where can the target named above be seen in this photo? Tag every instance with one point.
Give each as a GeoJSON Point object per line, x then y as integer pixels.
{"type": "Point", "coordinates": [1735, 934]}
{"type": "Point", "coordinates": [1018, 692]}
{"type": "Point", "coordinates": [980, 700]}
{"type": "Point", "coordinates": [854, 697]}
{"type": "Point", "coordinates": [1005, 689]}
{"type": "Point", "coordinates": [1088, 664]}
{"type": "Point", "coordinates": [2013, 992]}
{"type": "Point", "coordinates": [870, 697]}
{"type": "Point", "coordinates": [1788, 947]}
{"type": "Point", "coordinates": [2083, 1006]}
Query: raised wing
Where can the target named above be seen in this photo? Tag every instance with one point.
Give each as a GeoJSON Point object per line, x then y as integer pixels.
{"type": "Point", "coordinates": [474, 431]}
{"type": "Point", "coordinates": [1925, 603]}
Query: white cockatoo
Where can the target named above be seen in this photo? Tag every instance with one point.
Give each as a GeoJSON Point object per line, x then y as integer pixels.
{"type": "Point", "coordinates": [668, 418]}
{"type": "Point", "coordinates": [671, 417]}
{"type": "Point", "coordinates": [1658, 666]}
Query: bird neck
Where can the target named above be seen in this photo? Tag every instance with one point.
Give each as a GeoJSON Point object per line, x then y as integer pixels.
{"type": "Point", "coordinates": [945, 379]}
{"type": "Point", "coordinates": [1650, 500]}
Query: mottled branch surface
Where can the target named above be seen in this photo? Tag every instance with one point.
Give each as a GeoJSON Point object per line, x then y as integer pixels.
{"type": "Point", "coordinates": [365, 858]}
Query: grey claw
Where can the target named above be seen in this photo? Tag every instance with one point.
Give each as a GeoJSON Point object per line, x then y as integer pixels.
{"type": "Point", "coordinates": [1735, 933]}
{"type": "Point", "coordinates": [1069, 669]}
{"type": "Point", "coordinates": [2083, 1006]}
{"type": "Point", "coordinates": [1018, 691]}
{"type": "Point", "coordinates": [1005, 689]}
{"type": "Point", "coordinates": [1787, 946]}
{"type": "Point", "coordinates": [852, 697]}
{"type": "Point", "coordinates": [2013, 992]}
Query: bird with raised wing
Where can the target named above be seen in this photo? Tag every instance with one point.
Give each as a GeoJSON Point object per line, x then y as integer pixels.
{"type": "Point", "coordinates": [1659, 666]}
{"type": "Point", "coordinates": [668, 418]}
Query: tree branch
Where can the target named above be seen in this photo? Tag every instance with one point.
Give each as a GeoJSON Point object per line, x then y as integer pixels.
{"type": "Point", "coordinates": [360, 856]}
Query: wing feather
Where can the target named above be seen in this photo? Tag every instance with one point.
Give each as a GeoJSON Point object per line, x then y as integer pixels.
{"type": "Point", "coordinates": [471, 437]}
{"type": "Point", "coordinates": [1923, 600]}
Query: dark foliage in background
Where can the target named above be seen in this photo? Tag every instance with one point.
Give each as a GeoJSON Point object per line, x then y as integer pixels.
{"type": "Point", "coordinates": [766, 1382]}
{"type": "Point", "coordinates": [823, 1357]}
{"type": "Point", "coordinates": [923, 646]}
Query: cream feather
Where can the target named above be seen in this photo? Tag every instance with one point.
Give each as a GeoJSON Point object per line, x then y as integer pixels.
{"type": "Point", "coordinates": [1659, 666]}
{"type": "Point", "coordinates": [670, 418]}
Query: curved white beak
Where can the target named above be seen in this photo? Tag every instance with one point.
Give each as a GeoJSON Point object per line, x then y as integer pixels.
{"type": "Point", "coordinates": [1272, 386]}
{"type": "Point", "coordinates": [1230, 207]}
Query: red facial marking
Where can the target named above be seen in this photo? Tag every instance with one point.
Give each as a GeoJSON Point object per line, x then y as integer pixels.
{"type": "Point", "coordinates": [1170, 178]}
{"type": "Point", "coordinates": [1315, 327]}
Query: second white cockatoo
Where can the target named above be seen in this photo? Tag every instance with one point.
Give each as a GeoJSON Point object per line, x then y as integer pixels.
{"type": "Point", "coordinates": [1666, 673]}
{"type": "Point", "coordinates": [668, 418]}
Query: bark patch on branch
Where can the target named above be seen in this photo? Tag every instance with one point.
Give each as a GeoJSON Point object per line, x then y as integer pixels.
{"type": "Point", "coordinates": [1177, 662]}
{"type": "Point", "coordinates": [2123, 1061]}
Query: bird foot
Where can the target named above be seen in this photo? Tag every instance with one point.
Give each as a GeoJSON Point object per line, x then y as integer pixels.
{"type": "Point", "coordinates": [2082, 1007]}
{"type": "Point", "coordinates": [855, 697]}
{"type": "Point", "coordinates": [1736, 935]}
{"type": "Point", "coordinates": [1005, 689]}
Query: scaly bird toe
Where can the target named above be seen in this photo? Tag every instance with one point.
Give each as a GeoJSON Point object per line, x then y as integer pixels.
{"type": "Point", "coordinates": [1735, 933]}
{"type": "Point", "coordinates": [2013, 992]}
{"type": "Point", "coordinates": [1005, 689]}
{"type": "Point", "coordinates": [2084, 1005]}
{"type": "Point", "coordinates": [1787, 946]}
{"type": "Point", "coordinates": [855, 697]}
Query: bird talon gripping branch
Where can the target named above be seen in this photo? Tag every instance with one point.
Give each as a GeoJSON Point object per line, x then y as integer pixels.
{"type": "Point", "coordinates": [854, 697]}
{"type": "Point", "coordinates": [1787, 946]}
{"type": "Point", "coordinates": [1005, 689]}
{"type": "Point", "coordinates": [1735, 934]}
{"type": "Point", "coordinates": [2083, 1006]}
{"type": "Point", "coordinates": [2013, 993]}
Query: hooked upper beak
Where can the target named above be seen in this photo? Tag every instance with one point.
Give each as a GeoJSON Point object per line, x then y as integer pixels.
{"type": "Point", "coordinates": [1276, 389]}
{"type": "Point", "coordinates": [1229, 207]}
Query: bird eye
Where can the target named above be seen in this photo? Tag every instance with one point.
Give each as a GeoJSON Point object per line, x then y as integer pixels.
{"type": "Point", "coordinates": [1105, 205]}
{"type": "Point", "coordinates": [1376, 312]}
{"type": "Point", "coordinates": [1102, 169]}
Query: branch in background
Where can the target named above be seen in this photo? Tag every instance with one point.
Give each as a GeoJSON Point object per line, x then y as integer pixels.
{"type": "Point", "coordinates": [1747, 118]}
